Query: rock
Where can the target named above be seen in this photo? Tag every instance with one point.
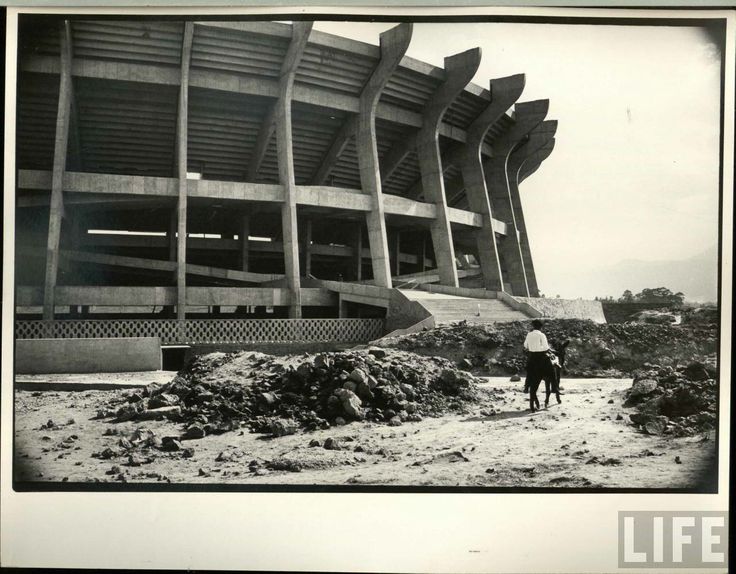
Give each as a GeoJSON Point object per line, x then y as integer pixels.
{"type": "Point", "coordinates": [188, 452]}
{"type": "Point", "coordinates": [351, 403]}
{"type": "Point", "coordinates": [160, 413]}
{"type": "Point", "coordinates": [304, 370]}
{"type": "Point", "coordinates": [107, 454]}
{"type": "Point", "coordinates": [377, 352]}
{"type": "Point", "coordinates": [696, 371]}
{"type": "Point", "coordinates": [267, 399]}
{"type": "Point", "coordinates": [515, 378]}
{"type": "Point", "coordinates": [358, 376]}
{"type": "Point", "coordinates": [351, 386]}
{"type": "Point", "coordinates": [656, 426]}
{"type": "Point", "coordinates": [194, 431]}
{"type": "Point", "coordinates": [642, 388]}
{"type": "Point", "coordinates": [163, 400]}
{"type": "Point", "coordinates": [619, 417]}
{"type": "Point", "coordinates": [678, 460]}
{"type": "Point", "coordinates": [332, 444]}
{"type": "Point", "coordinates": [339, 421]}
{"type": "Point", "coordinates": [395, 421]}
{"type": "Point", "coordinates": [280, 427]}
{"type": "Point", "coordinates": [610, 401]}
{"type": "Point", "coordinates": [125, 443]}
{"type": "Point", "coordinates": [314, 442]}
{"type": "Point", "coordinates": [465, 364]}
{"type": "Point", "coordinates": [170, 444]}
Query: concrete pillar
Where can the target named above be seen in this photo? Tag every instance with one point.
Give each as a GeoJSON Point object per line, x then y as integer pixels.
{"type": "Point", "coordinates": [528, 115]}
{"type": "Point", "coordinates": [171, 234]}
{"type": "Point", "coordinates": [459, 70]}
{"type": "Point", "coordinates": [61, 140]}
{"type": "Point", "coordinates": [244, 233]}
{"type": "Point", "coordinates": [308, 248]}
{"type": "Point", "coordinates": [394, 43]}
{"type": "Point", "coordinates": [181, 162]}
{"type": "Point", "coordinates": [398, 253]}
{"type": "Point", "coordinates": [538, 138]}
{"type": "Point", "coordinates": [504, 92]}
{"type": "Point", "coordinates": [285, 152]}
{"type": "Point", "coordinates": [358, 255]}
{"type": "Point", "coordinates": [422, 255]}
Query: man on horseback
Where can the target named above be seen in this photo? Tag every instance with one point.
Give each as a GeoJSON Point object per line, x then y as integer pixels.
{"type": "Point", "coordinates": [539, 366]}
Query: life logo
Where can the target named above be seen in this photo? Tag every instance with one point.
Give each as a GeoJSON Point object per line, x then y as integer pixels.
{"type": "Point", "coordinates": [672, 539]}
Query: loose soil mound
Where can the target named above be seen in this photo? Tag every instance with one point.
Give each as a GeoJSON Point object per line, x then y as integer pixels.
{"type": "Point", "coordinates": [220, 392]}
{"type": "Point", "coordinates": [608, 350]}
{"type": "Point", "coordinates": [681, 401]}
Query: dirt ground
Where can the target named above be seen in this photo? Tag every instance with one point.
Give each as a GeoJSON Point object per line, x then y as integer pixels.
{"type": "Point", "coordinates": [587, 441]}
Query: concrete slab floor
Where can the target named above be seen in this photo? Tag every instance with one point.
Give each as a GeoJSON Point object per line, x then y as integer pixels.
{"type": "Point", "coordinates": [91, 381]}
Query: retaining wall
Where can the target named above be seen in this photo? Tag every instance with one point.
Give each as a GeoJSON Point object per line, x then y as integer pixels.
{"type": "Point", "coordinates": [37, 356]}
{"type": "Point", "coordinates": [567, 308]}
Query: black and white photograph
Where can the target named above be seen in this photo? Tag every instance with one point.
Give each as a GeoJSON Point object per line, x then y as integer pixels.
{"type": "Point", "coordinates": [368, 253]}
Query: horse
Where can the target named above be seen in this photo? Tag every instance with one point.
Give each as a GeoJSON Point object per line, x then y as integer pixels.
{"type": "Point", "coordinates": [551, 377]}
{"type": "Point", "coordinates": [552, 382]}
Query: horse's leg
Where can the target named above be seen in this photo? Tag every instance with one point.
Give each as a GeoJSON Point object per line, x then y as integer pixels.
{"type": "Point", "coordinates": [547, 392]}
{"type": "Point", "coordinates": [558, 374]}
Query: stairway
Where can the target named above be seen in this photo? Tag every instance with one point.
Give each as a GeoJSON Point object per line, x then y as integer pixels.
{"type": "Point", "coordinates": [452, 308]}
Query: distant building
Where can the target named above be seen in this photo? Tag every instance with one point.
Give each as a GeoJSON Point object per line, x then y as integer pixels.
{"type": "Point", "coordinates": [240, 169]}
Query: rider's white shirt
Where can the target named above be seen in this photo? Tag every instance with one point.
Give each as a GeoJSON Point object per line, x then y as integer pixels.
{"type": "Point", "coordinates": [536, 342]}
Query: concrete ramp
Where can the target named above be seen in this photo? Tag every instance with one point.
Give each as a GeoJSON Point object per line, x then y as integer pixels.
{"type": "Point", "coordinates": [452, 308]}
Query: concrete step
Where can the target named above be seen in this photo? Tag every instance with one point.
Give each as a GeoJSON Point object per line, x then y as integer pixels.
{"type": "Point", "coordinates": [450, 309]}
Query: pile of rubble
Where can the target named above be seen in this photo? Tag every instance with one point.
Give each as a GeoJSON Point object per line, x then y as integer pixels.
{"type": "Point", "coordinates": [220, 392]}
{"type": "Point", "coordinates": [680, 402]}
{"type": "Point", "coordinates": [595, 350]}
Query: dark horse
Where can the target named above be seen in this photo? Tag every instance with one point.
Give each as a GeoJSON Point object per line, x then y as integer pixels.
{"type": "Point", "coordinates": [552, 383]}
{"type": "Point", "coordinates": [551, 377]}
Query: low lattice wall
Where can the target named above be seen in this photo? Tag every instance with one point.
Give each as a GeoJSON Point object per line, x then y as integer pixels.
{"type": "Point", "coordinates": [206, 331]}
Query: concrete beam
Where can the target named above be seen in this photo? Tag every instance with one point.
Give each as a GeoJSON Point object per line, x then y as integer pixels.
{"type": "Point", "coordinates": [539, 137]}
{"type": "Point", "coordinates": [535, 160]}
{"type": "Point", "coordinates": [227, 82]}
{"type": "Point", "coordinates": [61, 140]}
{"type": "Point", "coordinates": [160, 265]}
{"type": "Point", "coordinates": [396, 156]}
{"type": "Point", "coordinates": [394, 44]}
{"type": "Point", "coordinates": [337, 147]}
{"type": "Point", "coordinates": [181, 159]}
{"type": "Point", "coordinates": [166, 296]}
{"type": "Point", "coordinates": [528, 116]}
{"type": "Point", "coordinates": [268, 126]}
{"type": "Point", "coordinates": [244, 243]}
{"type": "Point", "coordinates": [459, 70]}
{"type": "Point", "coordinates": [504, 92]}
{"type": "Point", "coordinates": [284, 141]}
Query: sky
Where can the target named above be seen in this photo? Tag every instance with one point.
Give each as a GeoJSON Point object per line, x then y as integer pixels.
{"type": "Point", "coordinates": [634, 172]}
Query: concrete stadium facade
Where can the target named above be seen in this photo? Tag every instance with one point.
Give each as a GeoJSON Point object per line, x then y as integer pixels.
{"type": "Point", "coordinates": [258, 169]}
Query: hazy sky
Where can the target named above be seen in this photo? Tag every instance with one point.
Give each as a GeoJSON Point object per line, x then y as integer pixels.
{"type": "Point", "coordinates": [634, 173]}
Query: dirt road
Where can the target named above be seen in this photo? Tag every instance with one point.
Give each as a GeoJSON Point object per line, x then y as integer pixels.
{"type": "Point", "coordinates": [587, 441]}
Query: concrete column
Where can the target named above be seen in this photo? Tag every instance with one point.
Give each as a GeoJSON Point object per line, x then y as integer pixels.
{"type": "Point", "coordinates": [394, 43]}
{"type": "Point", "coordinates": [397, 252]}
{"type": "Point", "coordinates": [528, 116]}
{"type": "Point", "coordinates": [284, 142]}
{"type": "Point", "coordinates": [532, 164]}
{"type": "Point", "coordinates": [308, 248]}
{"type": "Point", "coordinates": [504, 92]}
{"type": "Point", "coordinates": [459, 70]}
{"type": "Point", "coordinates": [61, 140]}
{"type": "Point", "coordinates": [538, 138]}
{"type": "Point", "coordinates": [171, 234]}
{"type": "Point", "coordinates": [422, 253]}
{"type": "Point", "coordinates": [358, 256]}
{"type": "Point", "coordinates": [181, 162]}
{"type": "Point", "coordinates": [244, 247]}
